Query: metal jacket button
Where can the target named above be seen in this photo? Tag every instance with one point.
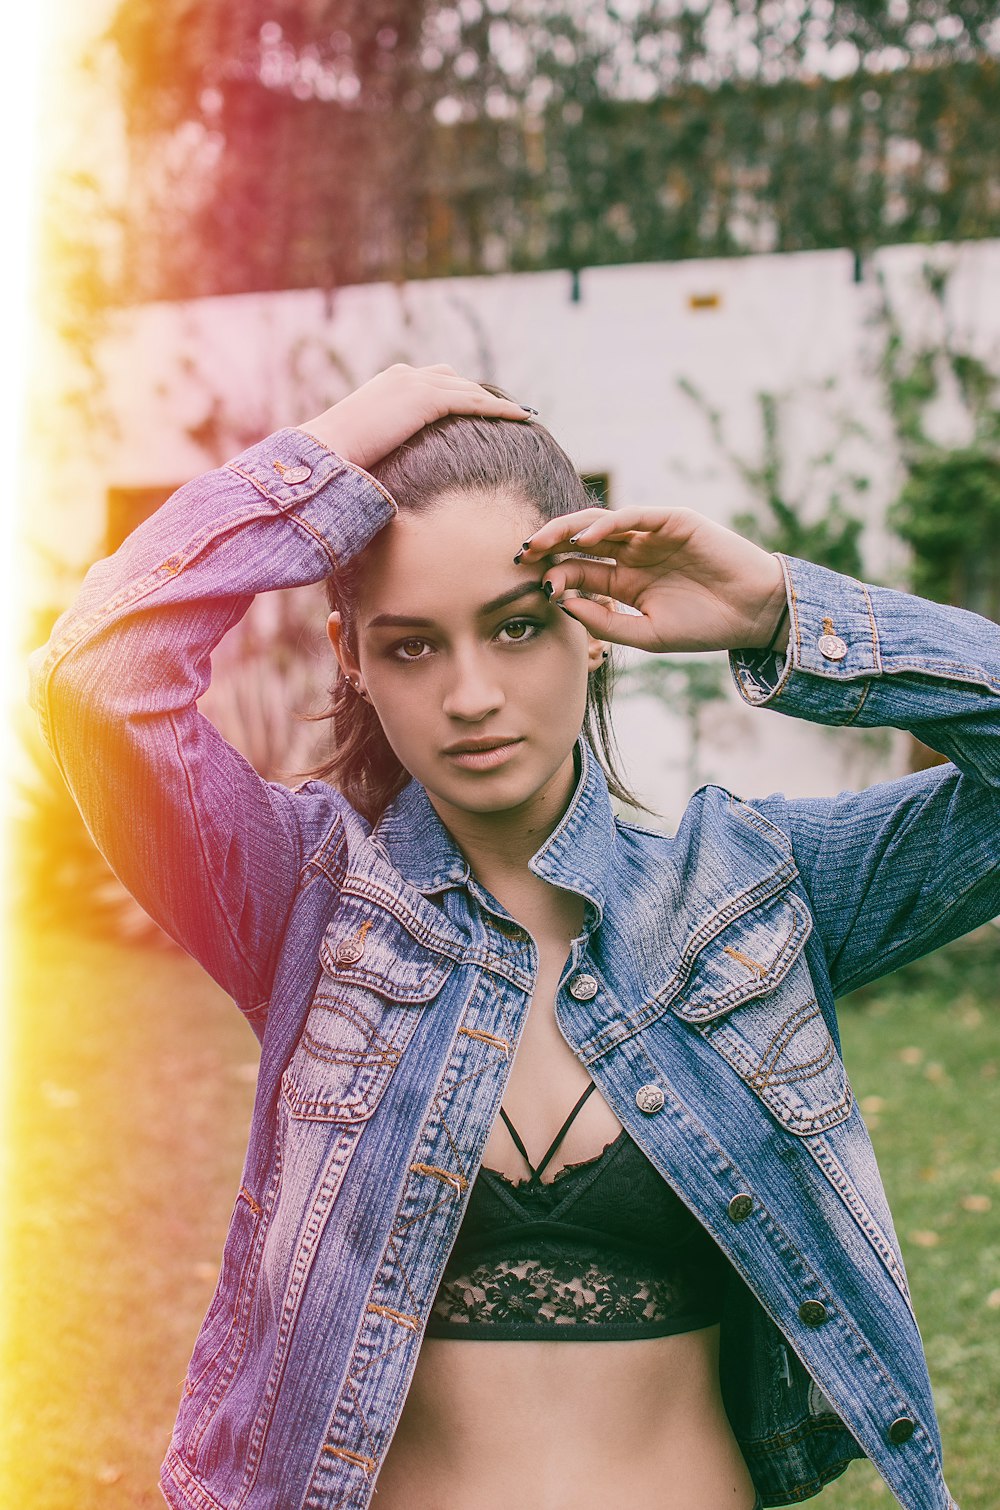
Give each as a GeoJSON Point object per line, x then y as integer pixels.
{"type": "Point", "coordinates": [583, 987]}
{"type": "Point", "coordinates": [740, 1207]}
{"type": "Point", "coordinates": [349, 952]}
{"type": "Point", "coordinates": [901, 1430]}
{"type": "Point", "coordinates": [812, 1312]}
{"type": "Point", "coordinates": [832, 647]}
{"type": "Point", "coordinates": [649, 1099]}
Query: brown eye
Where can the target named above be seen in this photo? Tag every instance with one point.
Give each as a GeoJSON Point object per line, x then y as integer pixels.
{"type": "Point", "coordinates": [519, 631]}
{"type": "Point", "coordinates": [408, 645]}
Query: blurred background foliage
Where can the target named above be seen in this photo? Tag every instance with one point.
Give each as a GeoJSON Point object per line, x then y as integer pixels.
{"type": "Point", "coordinates": [278, 144]}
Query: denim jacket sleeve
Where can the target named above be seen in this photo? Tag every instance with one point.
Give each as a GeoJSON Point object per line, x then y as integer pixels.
{"type": "Point", "coordinates": [211, 850]}
{"type": "Point", "coordinates": [900, 868]}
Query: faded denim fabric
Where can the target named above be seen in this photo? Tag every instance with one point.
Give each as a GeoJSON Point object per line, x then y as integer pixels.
{"type": "Point", "coordinates": [388, 989]}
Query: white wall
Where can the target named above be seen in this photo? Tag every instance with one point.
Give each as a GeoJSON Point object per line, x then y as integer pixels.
{"type": "Point", "coordinates": [604, 373]}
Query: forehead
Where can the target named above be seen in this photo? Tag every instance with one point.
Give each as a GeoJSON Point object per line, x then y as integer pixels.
{"type": "Point", "coordinates": [452, 557]}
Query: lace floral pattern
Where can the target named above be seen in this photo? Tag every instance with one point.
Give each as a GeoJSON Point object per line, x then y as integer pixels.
{"type": "Point", "coordinates": [558, 1290]}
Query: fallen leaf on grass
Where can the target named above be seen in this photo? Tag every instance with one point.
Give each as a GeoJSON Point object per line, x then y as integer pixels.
{"type": "Point", "coordinates": [925, 1239]}
{"type": "Point", "coordinates": [976, 1202]}
{"type": "Point", "coordinates": [993, 1300]}
{"type": "Point", "coordinates": [936, 1074]}
{"type": "Point", "coordinates": [872, 1104]}
{"type": "Point", "coordinates": [911, 1055]}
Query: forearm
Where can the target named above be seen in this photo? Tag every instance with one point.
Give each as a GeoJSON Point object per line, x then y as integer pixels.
{"type": "Point", "coordinates": [872, 656]}
{"type": "Point", "coordinates": [280, 514]}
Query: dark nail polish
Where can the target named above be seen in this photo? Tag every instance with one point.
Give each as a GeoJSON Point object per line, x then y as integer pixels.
{"type": "Point", "coordinates": [566, 611]}
{"type": "Point", "coordinates": [528, 409]}
{"type": "Point", "coordinates": [517, 559]}
{"type": "Point", "coordinates": [526, 544]}
{"type": "Point", "coordinates": [548, 589]}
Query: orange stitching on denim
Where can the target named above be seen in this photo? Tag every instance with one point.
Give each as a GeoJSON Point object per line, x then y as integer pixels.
{"type": "Point", "coordinates": [408, 1321]}
{"type": "Point", "coordinates": [457, 1180]}
{"type": "Point", "coordinates": [745, 959]}
{"type": "Point", "coordinates": [876, 648]}
{"type": "Point", "coordinates": [368, 1464]}
{"type": "Point", "coordinates": [379, 1358]}
{"type": "Point", "coordinates": [254, 1207]}
{"type": "Point", "coordinates": [484, 1037]}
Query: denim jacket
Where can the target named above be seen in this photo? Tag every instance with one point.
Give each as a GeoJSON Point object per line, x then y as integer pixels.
{"type": "Point", "coordinates": [388, 988]}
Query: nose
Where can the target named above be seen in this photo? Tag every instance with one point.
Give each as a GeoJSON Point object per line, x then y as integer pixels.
{"type": "Point", "coordinates": [472, 692]}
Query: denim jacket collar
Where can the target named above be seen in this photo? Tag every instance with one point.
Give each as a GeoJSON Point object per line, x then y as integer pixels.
{"type": "Point", "coordinates": [577, 855]}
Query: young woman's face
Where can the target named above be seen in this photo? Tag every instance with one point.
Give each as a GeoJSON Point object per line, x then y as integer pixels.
{"type": "Point", "coordinates": [456, 644]}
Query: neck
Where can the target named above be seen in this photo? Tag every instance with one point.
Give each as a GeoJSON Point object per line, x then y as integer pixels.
{"type": "Point", "coordinates": [498, 845]}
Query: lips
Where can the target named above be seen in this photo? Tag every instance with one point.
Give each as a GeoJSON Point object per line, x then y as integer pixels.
{"type": "Point", "coordinates": [476, 746]}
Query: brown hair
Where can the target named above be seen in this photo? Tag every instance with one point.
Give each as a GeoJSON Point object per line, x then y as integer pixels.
{"type": "Point", "coordinates": [491, 456]}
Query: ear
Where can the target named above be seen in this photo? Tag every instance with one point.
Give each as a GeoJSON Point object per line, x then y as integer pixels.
{"type": "Point", "coordinates": [335, 634]}
{"type": "Point", "coordinates": [597, 650]}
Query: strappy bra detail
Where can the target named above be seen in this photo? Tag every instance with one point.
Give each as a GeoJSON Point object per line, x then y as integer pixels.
{"type": "Point", "coordinates": [605, 1251]}
{"type": "Point", "coordinates": [536, 1172]}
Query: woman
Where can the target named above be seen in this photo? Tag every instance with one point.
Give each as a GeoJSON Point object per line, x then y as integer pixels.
{"type": "Point", "coordinates": [664, 1270]}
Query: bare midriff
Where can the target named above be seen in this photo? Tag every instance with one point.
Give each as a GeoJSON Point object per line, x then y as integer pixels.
{"type": "Point", "coordinates": [555, 1425]}
{"type": "Point", "coordinates": [566, 1426]}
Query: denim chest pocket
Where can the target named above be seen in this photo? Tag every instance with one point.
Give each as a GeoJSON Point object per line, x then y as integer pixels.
{"type": "Point", "coordinates": [379, 972]}
{"type": "Point", "coordinates": [751, 996]}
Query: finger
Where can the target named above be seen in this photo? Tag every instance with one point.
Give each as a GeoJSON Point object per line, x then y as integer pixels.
{"type": "Point", "coordinates": [585, 528]}
{"type": "Point", "coordinates": [556, 533]}
{"type": "Point", "coordinates": [459, 395]}
{"type": "Point", "coordinates": [585, 576]}
{"type": "Point", "coordinates": [606, 624]}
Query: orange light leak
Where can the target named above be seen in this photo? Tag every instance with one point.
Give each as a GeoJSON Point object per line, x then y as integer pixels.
{"type": "Point", "coordinates": [30, 112]}
{"type": "Point", "coordinates": [24, 27]}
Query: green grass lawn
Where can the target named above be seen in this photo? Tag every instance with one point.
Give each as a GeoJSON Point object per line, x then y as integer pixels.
{"type": "Point", "coordinates": [130, 1089]}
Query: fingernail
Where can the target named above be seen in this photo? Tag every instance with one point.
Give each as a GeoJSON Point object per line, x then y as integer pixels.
{"type": "Point", "coordinates": [526, 544]}
{"type": "Point", "coordinates": [565, 610]}
{"type": "Point", "coordinates": [574, 538]}
{"type": "Point", "coordinates": [528, 409]}
{"type": "Point", "coordinates": [517, 559]}
{"type": "Point", "coordinates": [548, 589]}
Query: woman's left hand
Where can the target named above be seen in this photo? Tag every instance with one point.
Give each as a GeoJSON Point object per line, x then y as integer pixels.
{"type": "Point", "coordinates": [696, 584]}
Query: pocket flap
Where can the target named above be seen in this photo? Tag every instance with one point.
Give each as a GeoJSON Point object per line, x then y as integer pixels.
{"type": "Point", "coordinates": [366, 946]}
{"type": "Point", "coordinates": [744, 959]}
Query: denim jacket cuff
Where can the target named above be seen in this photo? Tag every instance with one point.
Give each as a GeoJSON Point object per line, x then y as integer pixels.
{"type": "Point", "coordinates": [293, 470]}
{"type": "Point", "coordinates": [832, 635]}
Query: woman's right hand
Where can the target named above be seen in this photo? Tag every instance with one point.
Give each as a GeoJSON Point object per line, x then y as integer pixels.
{"type": "Point", "coordinates": [395, 404]}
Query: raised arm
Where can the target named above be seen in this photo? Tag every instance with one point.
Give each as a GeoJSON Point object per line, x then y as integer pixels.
{"type": "Point", "coordinates": [211, 850]}
{"type": "Point", "coordinates": [894, 871]}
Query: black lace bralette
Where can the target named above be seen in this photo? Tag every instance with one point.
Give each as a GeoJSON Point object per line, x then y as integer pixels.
{"type": "Point", "coordinates": [605, 1251]}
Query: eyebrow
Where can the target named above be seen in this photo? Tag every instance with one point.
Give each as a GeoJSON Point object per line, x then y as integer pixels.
{"type": "Point", "coordinates": [406, 621]}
